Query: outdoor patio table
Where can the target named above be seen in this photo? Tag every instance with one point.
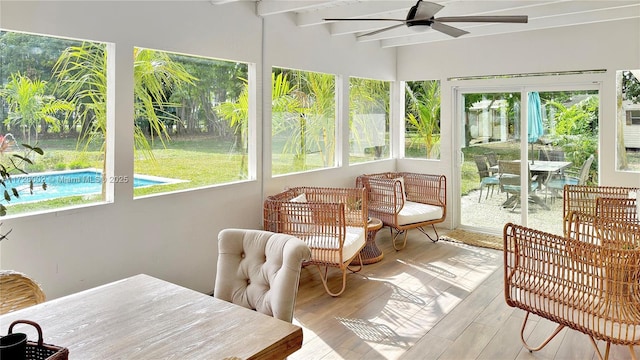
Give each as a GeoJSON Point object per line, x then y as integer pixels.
{"type": "Point", "coordinates": [542, 166]}
{"type": "Point", "coordinates": [538, 166]}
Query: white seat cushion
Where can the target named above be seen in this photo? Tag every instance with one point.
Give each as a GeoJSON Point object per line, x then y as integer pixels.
{"type": "Point", "coordinates": [354, 241]}
{"type": "Point", "coordinates": [413, 212]}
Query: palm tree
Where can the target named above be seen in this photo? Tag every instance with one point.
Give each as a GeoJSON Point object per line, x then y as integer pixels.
{"type": "Point", "coordinates": [423, 113]}
{"type": "Point", "coordinates": [29, 105]}
{"type": "Point", "coordinates": [82, 71]}
{"type": "Point", "coordinates": [310, 120]}
{"type": "Point", "coordinates": [367, 97]}
{"type": "Point", "coordinates": [236, 112]}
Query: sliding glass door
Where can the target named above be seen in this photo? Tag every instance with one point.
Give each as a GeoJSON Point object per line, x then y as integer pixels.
{"type": "Point", "coordinates": [518, 149]}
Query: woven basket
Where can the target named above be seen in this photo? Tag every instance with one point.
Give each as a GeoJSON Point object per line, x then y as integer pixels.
{"type": "Point", "coordinates": [18, 291]}
{"type": "Point", "coordinates": [38, 350]}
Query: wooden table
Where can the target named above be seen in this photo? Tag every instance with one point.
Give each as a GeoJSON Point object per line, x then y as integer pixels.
{"type": "Point", "coordinates": [370, 253]}
{"type": "Point", "coordinates": [142, 317]}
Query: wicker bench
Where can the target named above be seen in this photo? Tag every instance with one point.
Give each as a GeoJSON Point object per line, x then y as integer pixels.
{"type": "Point", "coordinates": [587, 280]}
{"type": "Point", "coordinates": [405, 201]}
{"type": "Point", "coordinates": [331, 221]}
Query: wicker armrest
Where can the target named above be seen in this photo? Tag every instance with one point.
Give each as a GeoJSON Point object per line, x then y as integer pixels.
{"type": "Point", "coordinates": [385, 195]}
{"type": "Point", "coordinates": [426, 188]}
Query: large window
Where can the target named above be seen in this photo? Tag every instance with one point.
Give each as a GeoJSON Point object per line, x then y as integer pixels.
{"type": "Point", "coordinates": [422, 119]}
{"type": "Point", "coordinates": [303, 121]}
{"type": "Point", "coordinates": [628, 130]}
{"type": "Point", "coordinates": [191, 117]}
{"type": "Point", "coordinates": [368, 120]}
{"type": "Point", "coordinates": [53, 96]}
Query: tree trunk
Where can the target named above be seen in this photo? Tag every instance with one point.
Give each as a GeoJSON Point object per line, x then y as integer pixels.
{"type": "Point", "coordinates": [622, 162]}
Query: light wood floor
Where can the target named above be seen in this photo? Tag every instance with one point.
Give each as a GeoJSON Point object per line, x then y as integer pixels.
{"type": "Point", "coordinates": [429, 301]}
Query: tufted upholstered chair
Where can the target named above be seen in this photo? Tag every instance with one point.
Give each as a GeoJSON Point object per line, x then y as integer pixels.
{"type": "Point", "coordinates": [260, 270]}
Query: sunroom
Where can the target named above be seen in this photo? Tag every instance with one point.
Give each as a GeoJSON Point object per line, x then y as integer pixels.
{"type": "Point", "coordinates": [576, 48]}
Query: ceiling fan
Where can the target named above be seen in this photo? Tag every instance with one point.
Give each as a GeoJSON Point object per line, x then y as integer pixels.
{"type": "Point", "coordinates": [421, 14]}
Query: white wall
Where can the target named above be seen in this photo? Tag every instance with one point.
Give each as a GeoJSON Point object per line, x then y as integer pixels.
{"type": "Point", "coordinates": [173, 236]}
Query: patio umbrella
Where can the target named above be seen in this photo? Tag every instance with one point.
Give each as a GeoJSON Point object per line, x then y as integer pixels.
{"type": "Point", "coordinates": [534, 119]}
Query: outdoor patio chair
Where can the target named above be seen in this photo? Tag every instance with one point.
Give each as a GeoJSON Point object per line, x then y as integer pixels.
{"type": "Point", "coordinates": [556, 183]}
{"type": "Point", "coordinates": [331, 221]}
{"type": "Point", "coordinates": [260, 270]}
{"type": "Point", "coordinates": [486, 179]}
{"type": "Point", "coordinates": [492, 158]}
{"type": "Point", "coordinates": [587, 280]}
{"type": "Point", "coordinates": [551, 155]}
{"type": "Point", "coordinates": [404, 201]}
{"type": "Point", "coordinates": [510, 183]}
{"type": "Point", "coordinates": [18, 291]}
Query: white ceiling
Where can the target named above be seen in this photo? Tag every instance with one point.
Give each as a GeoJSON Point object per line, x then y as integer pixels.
{"type": "Point", "coordinates": [542, 14]}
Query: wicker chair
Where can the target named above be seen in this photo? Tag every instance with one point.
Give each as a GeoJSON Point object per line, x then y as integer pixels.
{"type": "Point", "coordinates": [587, 280]}
{"type": "Point", "coordinates": [331, 221]}
{"type": "Point", "coordinates": [18, 291]}
{"type": "Point", "coordinates": [583, 199]}
{"type": "Point", "coordinates": [405, 201]}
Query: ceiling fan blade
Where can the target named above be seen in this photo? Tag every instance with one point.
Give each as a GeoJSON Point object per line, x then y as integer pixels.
{"type": "Point", "coordinates": [425, 10]}
{"type": "Point", "coordinates": [379, 30]}
{"type": "Point", "coordinates": [449, 30]}
{"type": "Point", "coordinates": [363, 19]}
{"type": "Point", "coordinates": [496, 18]}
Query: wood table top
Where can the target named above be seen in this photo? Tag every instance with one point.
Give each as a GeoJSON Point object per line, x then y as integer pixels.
{"type": "Point", "coordinates": [142, 317]}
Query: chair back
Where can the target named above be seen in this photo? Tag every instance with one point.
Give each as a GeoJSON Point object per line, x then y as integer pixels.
{"type": "Point", "coordinates": [481, 164]}
{"type": "Point", "coordinates": [492, 158]}
{"type": "Point", "coordinates": [510, 176]}
{"type": "Point", "coordinates": [619, 209]}
{"type": "Point", "coordinates": [551, 155]}
{"type": "Point", "coordinates": [18, 291]}
{"type": "Point", "coordinates": [584, 170]}
{"type": "Point", "coordinates": [260, 270]}
{"type": "Point", "coordinates": [583, 199]}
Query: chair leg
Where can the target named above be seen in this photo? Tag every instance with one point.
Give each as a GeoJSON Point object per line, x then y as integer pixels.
{"type": "Point", "coordinates": [359, 263]}
{"type": "Point", "coordinates": [398, 246]}
{"type": "Point", "coordinates": [531, 349]}
{"type": "Point", "coordinates": [422, 230]}
{"type": "Point", "coordinates": [324, 279]}
{"type": "Point", "coordinates": [480, 197]}
{"type": "Point", "coordinates": [395, 236]}
{"type": "Point", "coordinates": [606, 351]}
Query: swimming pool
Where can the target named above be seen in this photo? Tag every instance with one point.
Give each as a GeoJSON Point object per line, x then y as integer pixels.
{"type": "Point", "coordinates": [73, 182]}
